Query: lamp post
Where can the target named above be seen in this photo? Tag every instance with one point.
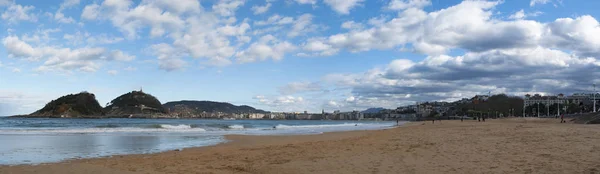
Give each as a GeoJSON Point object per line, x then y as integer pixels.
{"type": "Point", "coordinates": [538, 109]}
{"type": "Point", "coordinates": [594, 97]}
{"type": "Point", "coordinates": [548, 106]}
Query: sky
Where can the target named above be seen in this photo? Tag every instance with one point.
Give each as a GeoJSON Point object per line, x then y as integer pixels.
{"type": "Point", "coordinates": [295, 55]}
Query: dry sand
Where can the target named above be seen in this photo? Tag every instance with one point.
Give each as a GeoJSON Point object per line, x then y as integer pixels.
{"type": "Point", "coordinates": [497, 146]}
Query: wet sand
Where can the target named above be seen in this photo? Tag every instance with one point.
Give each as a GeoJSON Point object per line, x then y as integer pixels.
{"type": "Point", "coordinates": [497, 146]}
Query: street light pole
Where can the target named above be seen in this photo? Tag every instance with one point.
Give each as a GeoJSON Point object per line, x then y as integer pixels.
{"type": "Point", "coordinates": [538, 109]}
{"type": "Point", "coordinates": [594, 97]}
{"type": "Point", "coordinates": [548, 106]}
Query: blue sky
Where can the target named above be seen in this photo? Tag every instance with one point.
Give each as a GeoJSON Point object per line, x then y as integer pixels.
{"type": "Point", "coordinates": [295, 55]}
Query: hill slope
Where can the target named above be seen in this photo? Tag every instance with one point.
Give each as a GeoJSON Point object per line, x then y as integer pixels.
{"type": "Point", "coordinates": [373, 110]}
{"type": "Point", "coordinates": [135, 102]}
{"type": "Point", "coordinates": [72, 105]}
{"type": "Point", "coordinates": [196, 107]}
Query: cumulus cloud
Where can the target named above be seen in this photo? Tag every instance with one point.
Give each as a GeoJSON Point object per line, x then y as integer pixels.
{"type": "Point", "coordinates": [522, 15]}
{"type": "Point", "coordinates": [61, 59]}
{"type": "Point", "coordinates": [15, 13]}
{"type": "Point", "coordinates": [261, 9]}
{"type": "Point", "coordinates": [405, 4]}
{"type": "Point", "coordinates": [306, 1]}
{"type": "Point", "coordinates": [60, 17]}
{"type": "Point", "coordinates": [267, 48]}
{"type": "Point", "coordinates": [169, 57]}
{"type": "Point", "coordinates": [448, 78]}
{"type": "Point", "coordinates": [535, 2]}
{"type": "Point", "coordinates": [286, 103]}
{"type": "Point", "coordinates": [227, 7]}
{"type": "Point", "coordinates": [148, 13]}
{"type": "Point", "coordinates": [343, 6]}
{"type": "Point", "coordinates": [113, 72]}
{"type": "Point", "coordinates": [299, 87]}
{"type": "Point", "coordinates": [5, 2]}
{"type": "Point", "coordinates": [469, 26]}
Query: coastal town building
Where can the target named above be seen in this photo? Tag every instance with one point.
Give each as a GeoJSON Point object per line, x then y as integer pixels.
{"type": "Point", "coordinates": [578, 99]}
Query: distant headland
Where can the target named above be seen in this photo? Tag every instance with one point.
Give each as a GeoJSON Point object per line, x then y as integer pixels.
{"type": "Point", "coordinates": [137, 104]}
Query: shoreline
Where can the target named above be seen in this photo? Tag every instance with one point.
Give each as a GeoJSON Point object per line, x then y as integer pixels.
{"type": "Point", "coordinates": [516, 145]}
{"type": "Point", "coordinates": [224, 138]}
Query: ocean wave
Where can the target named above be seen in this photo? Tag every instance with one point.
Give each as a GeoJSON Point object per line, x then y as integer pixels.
{"type": "Point", "coordinates": [236, 126]}
{"type": "Point", "coordinates": [282, 126]}
{"type": "Point", "coordinates": [181, 126]}
{"type": "Point", "coordinates": [168, 128]}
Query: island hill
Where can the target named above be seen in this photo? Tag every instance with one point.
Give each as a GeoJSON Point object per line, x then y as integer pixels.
{"type": "Point", "coordinates": [138, 104]}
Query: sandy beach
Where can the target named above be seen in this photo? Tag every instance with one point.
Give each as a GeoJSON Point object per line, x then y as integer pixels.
{"type": "Point", "coordinates": [514, 145]}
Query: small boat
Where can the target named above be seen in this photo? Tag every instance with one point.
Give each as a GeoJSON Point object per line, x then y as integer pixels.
{"type": "Point", "coordinates": [228, 118]}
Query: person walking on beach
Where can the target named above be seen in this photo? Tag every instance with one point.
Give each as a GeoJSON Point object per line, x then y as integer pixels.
{"type": "Point", "coordinates": [562, 118]}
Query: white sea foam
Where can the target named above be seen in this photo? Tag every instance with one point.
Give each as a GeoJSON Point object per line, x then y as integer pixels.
{"type": "Point", "coordinates": [282, 126]}
{"type": "Point", "coordinates": [101, 130]}
{"type": "Point", "coordinates": [236, 126]}
{"type": "Point", "coordinates": [181, 126]}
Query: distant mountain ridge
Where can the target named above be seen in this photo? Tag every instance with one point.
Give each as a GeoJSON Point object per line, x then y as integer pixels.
{"type": "Point", "coordinates": [196, 107]}
{"type": "Point", "coordinates": [72, 105]}
{"type": "Point", "coordinates": [373, 110]}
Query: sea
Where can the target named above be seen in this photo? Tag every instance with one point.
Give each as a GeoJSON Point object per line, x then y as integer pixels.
{"type": "Point", "coordinates": [41, 140]}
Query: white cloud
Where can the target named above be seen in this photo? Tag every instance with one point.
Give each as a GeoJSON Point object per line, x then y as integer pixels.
{"type": "Point", "coordinates": [169, 58]}
{"type": "Point", "coordinates": [16, 70]}
{"type": "Point", "coordinates": [468, 26]}
{"type": "Point", "coordinates": [130, 20]}
{"type": "Point", "coordinates": [60, 59]}
{"type": "Point", "coordinates": [306, 1]}
{"type": "Point", "coordinates": [261, 9]}
{"type": "Point", "coordinates": [447, 78]}
{"type": "Point", "coordinates": [300, 87]}
{"type": "Point", "coordinates": [267, 48]}
{"type": "Point", "coordinates": [534, 2]}
{"type": "Point", "coordinates": [5, 2]}
{"type": "Point", "coordinates": [60, 17]}
{"type": "Point", "coordinates": [16, 13]}
{"type": "Point", "coordinates": [522, 15]}
{"type": "Point", "coordinates": [405, 4]}
{"type": "Point", "coordinates": [91, 12]}
{"type": "Point", "coordinates": [351, 25]}
{"type": "Point", "coordinates": [227, 7]}
{"type": "Point", "coordinates": [130, 68]}
{"type": "Point", "coordinates": [302, 25]}
{"type": "Point", "coordinates": [276, 20]}
{"type": "Point", "coordinates": [113, 72]}
{"type": "Point", "coordinates": [182, 6]}
{"type": "Point", "coordinates": [343, 6]}
{"type": "Point", "coordinates": [286, 103]}
{"type": "Point", "coordinates": [120, 56]}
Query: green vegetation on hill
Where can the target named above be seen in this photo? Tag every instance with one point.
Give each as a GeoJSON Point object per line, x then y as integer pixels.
{"type": "Point", "coordinates": [196, 107]}
{"type": "Point", "coordinates": [500, 104]}
{"type": "Point", "coordinates": [72, 105]}
{"type": "Point", "coordinates": [135, 102]}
